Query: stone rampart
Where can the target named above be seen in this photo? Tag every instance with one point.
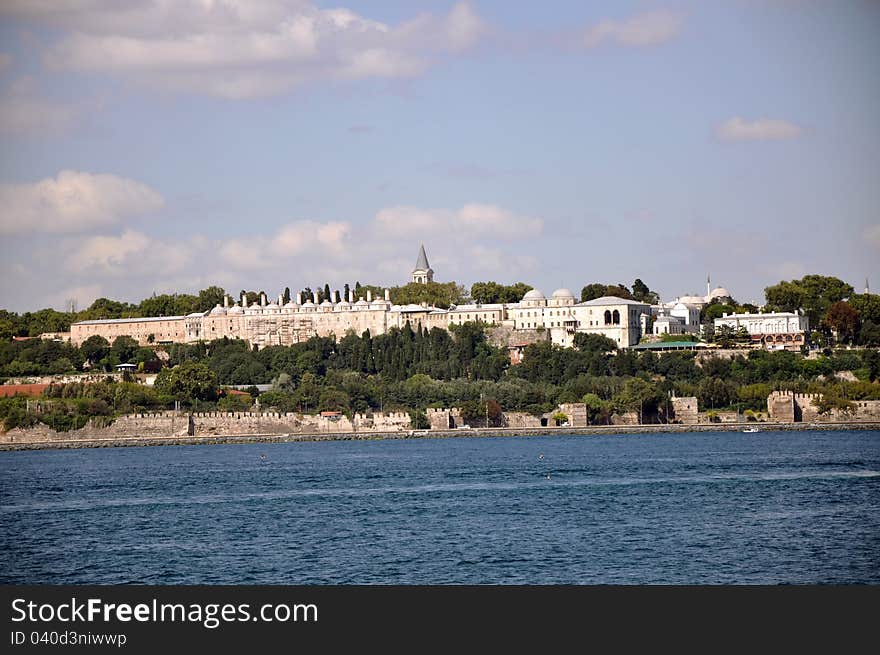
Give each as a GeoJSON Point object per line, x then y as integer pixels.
{"type": "Point", "coordinates": [576, 413]}
{"type": "Point", "coordinates": [685, 410]}
{"type": "Point", "coordinates": [204, 424]}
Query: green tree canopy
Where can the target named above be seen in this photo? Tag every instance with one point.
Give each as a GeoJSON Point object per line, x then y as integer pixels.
{"type": "Point", "coordinates": [493, 292]}
{"type": "Point", "coordinates": [596, 290]}
{"type": "Point", "coordinates": [813, 293]}
{"type": "Point", "coordinates": [187, 382]}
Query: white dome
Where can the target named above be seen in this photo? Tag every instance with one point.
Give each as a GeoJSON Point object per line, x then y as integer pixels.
{"type": "Point", "coordinates": [692, 300]}
{"type": "Point", "coordinates": [291, 304]}
{"type": "Point", "coordinates": [534, 294]}
{"type": "Point", "coordinates": [361, 303]}
{"type": "Point", "coordinates": [235, 309]}
{"type": "Point", "coordinates": [343, 305]}
{"type": "Point", "coordinates": [326, 303]}
{"type": "Point", "coordinates": [561, 293]}
{"type": "Point", "coordinates": [719, 292]}
{"type": "Point", "coordinates": [218, 311]}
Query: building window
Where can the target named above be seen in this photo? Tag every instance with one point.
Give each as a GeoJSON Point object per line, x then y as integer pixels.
{"type": "Point", "coordinates": [616, 317]}
{"type": "Point", "coordinates": [607, 317]}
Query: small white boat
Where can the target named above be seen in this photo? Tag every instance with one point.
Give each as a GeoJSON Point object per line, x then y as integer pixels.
{"type": "Point", "coordinates": [751, 430]}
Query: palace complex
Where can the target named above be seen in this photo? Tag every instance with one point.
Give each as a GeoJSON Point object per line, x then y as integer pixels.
{"type": "Point", "coordinates": [279, 324]}
{"type": "Point", "coordinates": [557, 318]}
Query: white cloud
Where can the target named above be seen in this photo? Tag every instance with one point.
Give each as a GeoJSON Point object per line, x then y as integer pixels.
{"type": "Point", "coordinates": [133, 254]}
{"type": "Point", "coordinates": [108, 253]}
{"type": "Point", "coordinates": [471, 221]}
{"type": "Point", "coordinates": [321, 240]}
{"type": "Point", "coordinates": [644, 29]}
{"type": "Point", "coordinates": [762, 129]}
{"type": "Point", "coordinates": [241, 50]}
{"type": "Point", "coordinates": [73, 202]}
{"type": "Point", "coordinates": [476, 241]}
{"type": "Point", "coordinates": [872, 235]}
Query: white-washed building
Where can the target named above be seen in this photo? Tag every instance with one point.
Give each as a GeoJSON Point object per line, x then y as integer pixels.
{"type": "Point", "coordinates": [777, 331]}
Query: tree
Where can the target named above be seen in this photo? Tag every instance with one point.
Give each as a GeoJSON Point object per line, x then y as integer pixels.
{"type": "Point", "coordinates": [493, 292]}
{"type": "Point", "coordinates": [187, 382]}
{"type": "Point", "coordinates": [596, 290]}
{"type": "Point", "coordinates": [638, 395]}
{"type": "Point", "coordinates": [813, 293]}
{"type": "Point", "coordinates": [642, 293]}
{"type": "Point", "coordinates": [843, 320]}
{"type": "Point", "coordinates": [594, 343]}
{"type": "Point", "coordinates": [124, 348]}
{"type": "Point", "coordinates": [867, 305]}
{"type": "Point", "coordinates": [209, 298]}
{"type": "Point", "coordinates": [95, 348]}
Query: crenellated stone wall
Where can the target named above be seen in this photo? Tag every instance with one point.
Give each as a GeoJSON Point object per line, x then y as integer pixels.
{"type": "Point", "coordinates": [202, 424]}
{"type": "Point", "coordinates": [685, 410]}
{"type": "Point", "coordinates": [576, 413]}
{"type": "Point", "coordinates": [161, 424]}
{"type": "Point", "coordinates": [786, 406]}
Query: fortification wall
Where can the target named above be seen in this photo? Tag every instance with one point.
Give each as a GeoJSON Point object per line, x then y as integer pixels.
{"type": "Point", "coordinates": [521, 420]}
{"type": "Point", "coordinates": [502, 336]}
{"type": "Point", "coordinates": [576, 413]}
{"type": "Point", "coordinates": [163, 424]}
{"type": "Point", "coordinates": [627, 418]}
{"type": "Point", "coordinates": [685, 410]}
{"type": "Point", "coordinates": [781, 407]}
{"type": "Point", "coordinates": [217, 423]}
{"type": "Point", "coordinates": [203, 424]}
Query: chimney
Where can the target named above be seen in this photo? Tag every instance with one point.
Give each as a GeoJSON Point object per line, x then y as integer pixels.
{"type": "Point", "coordinates": [244, 300]}
{"type": "Point", "coordinates": [351, 296]}
{"type": "Point", "coordinates": [263, 299]}
{"type": "Point", "coordinates": [299, 298]}
{"type": "Point", "coordinates": [225, 300]}
{"type": "Point", "coordinates": [387, 295]}
{"type": "Point", "coordinates": [369, 296]}
{"type": "Point", "coordinates": [315, 297]}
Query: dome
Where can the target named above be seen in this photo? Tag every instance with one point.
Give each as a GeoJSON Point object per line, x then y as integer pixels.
{"type": "Point", "coordinates": [692, 300]}
{"type": "Point", "coordinates": [272, 305]}
{"type": "Point", "coordinates": [235, 309]}
{"type": "Point", "coordinates": [291, 305]}
{"type": "Point", "coordinates": [719, 292]}
{"type": "Point", "coordinates": [343, 306]}
{"type": "Point", "coordinates": [308, 303]}
{"type": "Point", "coordinates": [362, 303]}
{"type": "Point", "coordinates": [218, 311]}
{"type": "Point", "coordinates": [561, 293]}
{"type": "Point", "coordinates": [534, 294]}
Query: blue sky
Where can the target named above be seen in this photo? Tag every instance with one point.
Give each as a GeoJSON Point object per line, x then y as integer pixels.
{"type": "Point", "coordinates": [160, 146]}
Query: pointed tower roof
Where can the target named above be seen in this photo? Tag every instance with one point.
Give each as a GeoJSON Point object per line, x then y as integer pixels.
{"type": "Point", "coordinates": [422, 262]}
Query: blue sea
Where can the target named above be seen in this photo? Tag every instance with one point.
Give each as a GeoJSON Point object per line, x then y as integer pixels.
{"type": "Point", "coordinates": [698, 508]}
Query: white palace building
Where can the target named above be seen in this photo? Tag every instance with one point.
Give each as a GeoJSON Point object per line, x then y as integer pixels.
{"type": "Point", "coordinates": [280, 324]}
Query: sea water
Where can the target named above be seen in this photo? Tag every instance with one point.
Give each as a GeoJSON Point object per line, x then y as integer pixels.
{"type": "Point", "coordinates": [694, 508]}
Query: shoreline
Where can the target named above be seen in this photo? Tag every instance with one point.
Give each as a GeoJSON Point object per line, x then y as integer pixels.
{"type": "Point", "coordinates": [593, 430]}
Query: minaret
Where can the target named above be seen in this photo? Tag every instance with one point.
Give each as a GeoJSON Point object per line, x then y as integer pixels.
{"type": "Point", "coordinates": [708, 287]}
{"type": "Point", "coordinates": [422, 273]}
{"type": "Point", "coordinates": [867, 288]}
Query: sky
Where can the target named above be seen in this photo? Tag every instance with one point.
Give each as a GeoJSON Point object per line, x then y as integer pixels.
{"type": "Point", "coordinates": [161, 146]}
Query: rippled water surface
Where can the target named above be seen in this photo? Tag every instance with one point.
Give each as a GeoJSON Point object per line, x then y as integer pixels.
{"type": "Point", "coordinates": [701, 508]}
